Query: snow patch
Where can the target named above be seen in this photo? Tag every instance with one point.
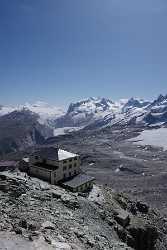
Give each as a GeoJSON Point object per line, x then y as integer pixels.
{"type": "Point", "coordinates": [65, 130]}
{"type": "Point", "coordinates": [96, 195]}
{"type": "Point", "coordinates": [154, 137]}
{"type": "Point", "coordinates": [62, 154]}
{"type": "Point", "coordinates": [91, 164]}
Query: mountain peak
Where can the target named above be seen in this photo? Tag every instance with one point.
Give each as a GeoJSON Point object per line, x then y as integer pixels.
{"type": "Point", "coordinates": [160, 97]}
{"type": "Point", "coordinates": [91, 104]}
{"type": "Point", "coordinates": [135, 103]}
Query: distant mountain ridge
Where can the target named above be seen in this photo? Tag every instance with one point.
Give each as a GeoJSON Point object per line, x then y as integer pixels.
{"type": "Point", "coordinates": [137, 112]}
{"type": "Point", "coordinates": [44, 110]}
{"type": "Point", "coordinates": [92, 113]}
{"type": "Point", "coordinates": [98, 112]}
{"type": "Point", "coordinates": [84, 112]}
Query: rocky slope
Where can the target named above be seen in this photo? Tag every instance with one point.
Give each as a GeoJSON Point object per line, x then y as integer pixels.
{"type": "Point", "coordinates": [37, 215]}
{"type": "Point", "coordinates": [20, 129]}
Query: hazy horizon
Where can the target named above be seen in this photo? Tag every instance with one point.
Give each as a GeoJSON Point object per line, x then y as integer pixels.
{"type": "Point", "coordinates": [65, 106]}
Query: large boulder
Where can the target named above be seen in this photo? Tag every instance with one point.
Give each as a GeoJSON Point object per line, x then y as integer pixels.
{"type": "Point", "coordinates": [4, 186]}
{"type": "Point", "coordinates": [142, 207]}
{"type": "Point", "coordinates": [122, 217]}
{"type": "Point", "coordinates": [70, 201]}
{"type": "Point", "coordinates": [138, 234]}
{"type": "Point", "coordinates": [48, 225]}
{"type": "Point", "coordinates": [142, 238]}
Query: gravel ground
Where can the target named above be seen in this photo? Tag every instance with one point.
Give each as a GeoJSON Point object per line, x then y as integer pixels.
{"type": "Point", "coordinates": [37, 215]}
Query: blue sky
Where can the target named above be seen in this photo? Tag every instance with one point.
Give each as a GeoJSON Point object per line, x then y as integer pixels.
{"type": "Point", "coordinates": [60, 51]}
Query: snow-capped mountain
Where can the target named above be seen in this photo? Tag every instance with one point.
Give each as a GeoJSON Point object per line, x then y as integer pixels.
{"type": "Point", "coordinates": [134, 103]}
{"type": "Point", "coordinates": [30, 124]}
{"type": "Point", "coordinates": [92, 105]}
{"type": "Point", "coordinates": [156, 112]}
{"type": "Point", "coordinates": [87, 111]}
{"type": "Point", "coordinates": [99, 112]}
{"type": "Point", "coordinates": [46, 112]}
{"type": "Point", "coordinates": [137, 112]}
{"type": "Point", "coordinates": [82, 113]}
{"type": "Point", "coordinates": [96, 113]}
{"type": "Point", "coordinates": [127, 113]}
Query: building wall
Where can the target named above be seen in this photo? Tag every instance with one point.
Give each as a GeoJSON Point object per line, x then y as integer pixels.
{"type": "Point", "coordinates": [65, 169]}
{"type": "Point", "coordinates": [55, 177]}
{"type": "Point", "coordinates": [84, 187]}
{"type": "Point", "coordinates": [33, 160]}
{"type": "Point", "coordinates": [70, 167]}
{"type": "Point", "coordinates": [23, 166]}
{"type": "Point", "coordinates": [6, 168]}
{"type": "Point", "coordinates": [41, 173]}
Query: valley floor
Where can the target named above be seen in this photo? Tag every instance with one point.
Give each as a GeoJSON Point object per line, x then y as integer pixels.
{"type": "Point", "coordinates": [109, 156]}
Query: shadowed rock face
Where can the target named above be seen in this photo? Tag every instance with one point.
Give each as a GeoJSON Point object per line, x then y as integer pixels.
{"type": "Point", "coordinates": [142, 238]}
{"type": "Point", "coordinates": [139, 238]}
{"type": "Point", "coordinates": [21, 129]}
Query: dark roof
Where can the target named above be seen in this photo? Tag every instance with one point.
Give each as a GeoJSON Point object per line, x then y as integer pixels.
{"type": "Point", "coordinates": [50, 153]}
{"type": "Point", "coordinates": [8, 163]}
{"type": "Point", "coordinates": [46, 166]}
{"type": "Point", "coordinates": [78, 180]}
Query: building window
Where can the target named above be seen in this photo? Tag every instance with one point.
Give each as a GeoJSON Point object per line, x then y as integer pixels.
{"type": "Point", "coordinates": [65, 161]}
{"type": "Point", "coordinates": [36, 157]}
{"type": "Point", "coordinates": [75, 172]}
{"type": "Point", "coordinates": [70, 166]}
{"type": "Point", "coordinates": [75, 165]}
{"type": "Point", "coordinates": [75, 158]}
{"type": "Point", "coordinates": [64, 168]}
{"type": "Point", "coordinates": [70, 160]}
{"type": "Point", "coordinates": [64, 176]}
